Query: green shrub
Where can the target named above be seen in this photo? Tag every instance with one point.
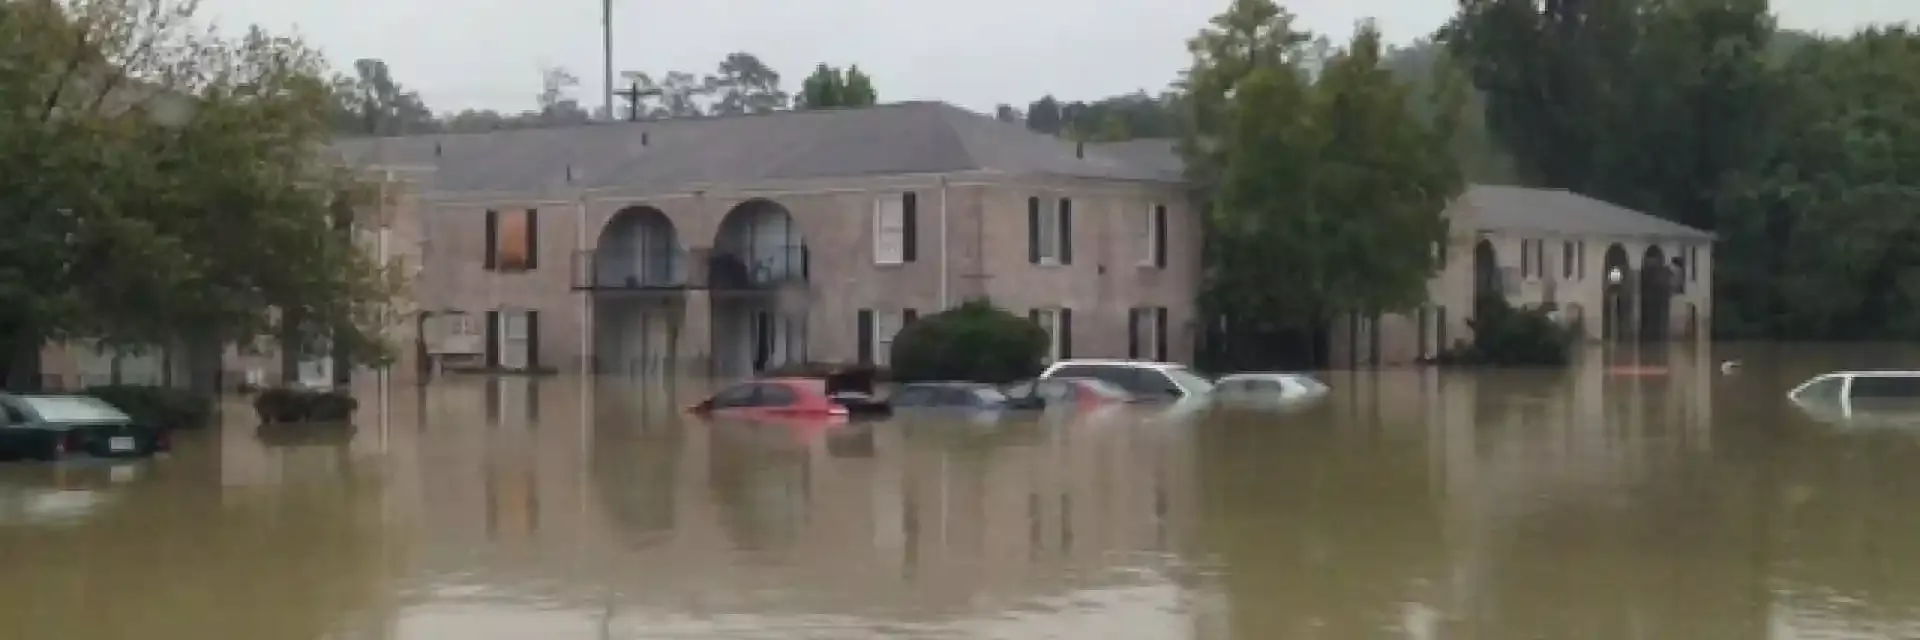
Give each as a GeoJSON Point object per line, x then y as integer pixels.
{"type": "Point", "coordinates": [158, 406]}
{"type": "Point", "coordinates": [1508, 336]}
{"type": "Point", "coordinates": [974, 341]}
{"type": "Point", "coordinates": [281, 405]}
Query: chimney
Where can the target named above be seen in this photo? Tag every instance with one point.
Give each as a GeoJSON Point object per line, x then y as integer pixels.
{"type": "Point", "coordinates": [1080, 150]}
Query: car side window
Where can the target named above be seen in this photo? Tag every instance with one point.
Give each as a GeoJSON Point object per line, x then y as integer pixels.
{"type": "Point", "coordinates": [1157, 383]}
{"type": "Point", "coordinates": [775, 395]}
{"type": "Point", "coordinates": [1824, 390]}
{"type": "Point", "coordinates": [1076, 371]}
{"type": "Point", "coordinates": [1123, 377]}
{"type": "Point", "coordinates": [14, 415]}
{"type": "Point", "coordinates": [1885, 387]}
{"type": "Point", "coordinates": [736, 396]}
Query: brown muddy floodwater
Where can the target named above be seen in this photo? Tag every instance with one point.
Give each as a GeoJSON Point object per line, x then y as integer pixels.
{"type": "Point", "coordinates": [1409, 504]}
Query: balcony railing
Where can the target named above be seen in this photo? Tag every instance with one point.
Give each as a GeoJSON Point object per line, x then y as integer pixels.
{"type": "Point", "coordinates": [757, 269]}
{"type": "Point", "coordinates": [626, 271]}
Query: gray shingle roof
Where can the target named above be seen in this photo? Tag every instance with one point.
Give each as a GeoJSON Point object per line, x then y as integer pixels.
{"type": "Point", "coordinates": [1157, 154]}
{"type": "Point", "coordinates": [665, 155]}
{"type": "Point", "coordinates": [1565, 212]}
{"type": "Point", "coordinates": [1501, 208]}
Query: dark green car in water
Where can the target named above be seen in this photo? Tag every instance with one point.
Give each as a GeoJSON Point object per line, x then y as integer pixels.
{"type": "Point", "coordinates": [56, 427]}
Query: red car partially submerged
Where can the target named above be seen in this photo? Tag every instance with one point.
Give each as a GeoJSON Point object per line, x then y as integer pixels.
{"type": "Point", "coordinates": [838, 395]}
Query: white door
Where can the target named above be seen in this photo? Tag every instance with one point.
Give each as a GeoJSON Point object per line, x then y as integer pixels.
{"type": "Point", "coordinates": [513, 339]}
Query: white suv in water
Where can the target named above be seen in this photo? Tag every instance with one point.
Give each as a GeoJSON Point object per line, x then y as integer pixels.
{"type": "Point", "coordinates": [1147, 380]}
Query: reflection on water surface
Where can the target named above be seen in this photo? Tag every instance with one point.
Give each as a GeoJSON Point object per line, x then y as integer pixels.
{"type": "Point", "coordinates": [1408, 504]}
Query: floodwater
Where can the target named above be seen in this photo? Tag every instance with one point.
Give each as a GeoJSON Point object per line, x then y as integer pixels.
{"type": "Point", "coordinates": [1409, 504]}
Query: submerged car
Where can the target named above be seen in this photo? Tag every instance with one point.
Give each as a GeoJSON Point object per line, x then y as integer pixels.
{"type": "Point", "coordinates": [837, 395]}
{"type": "Point", "coordinates": [1267, 389]}
{"type": "Point", "coordinates": [1064, 392]}
{"type": "Point", "coordinates": [56, 427]}
{"type": "Point", "coordinates": [968, 396]}
{"type": "Point", "coordinates": [1891, 395]}
{"type": "Point", "coordinates": [1148, 381]}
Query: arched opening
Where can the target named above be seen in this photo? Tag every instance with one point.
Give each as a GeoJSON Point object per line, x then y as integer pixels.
{"type": "Point", "coordinates": [1486, 273]}
{"type": "Point", "coordinates": [639, 249]}
{"type": "Point", "coordinates": [1656, 295]}
{"type": "Point", "coordinates": [758, 272]}
{"type": "Point", "coordinates": [1616, 293]}
{"type": "Point", "coordinates": [639, 269]}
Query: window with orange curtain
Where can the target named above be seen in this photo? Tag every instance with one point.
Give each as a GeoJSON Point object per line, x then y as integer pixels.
{"type": "Point", "coordinates": [513, 246]}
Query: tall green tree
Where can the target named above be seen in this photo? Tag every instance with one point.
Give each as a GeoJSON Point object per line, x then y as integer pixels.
{"type": "Point", "coordinates": [371, 103]}
{"type": "Point", "coordinates": [1110, 119]}
{"type": "Point", "coordinates": [1643, 103]}
{"type": "Point", "coordinates": [1820, 237]}
{"type": "Point", "coordinates": [1327, 188]}
{"type": "Point", "coordinates": [162, 184]}
{"type": "Point", "coordinates": [744, 84]}
{"type": "Point", "coordinates": [832, 87]}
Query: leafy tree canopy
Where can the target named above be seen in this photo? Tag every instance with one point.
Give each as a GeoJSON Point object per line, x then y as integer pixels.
{"type": "Point", "coordinates": [1326, 187]}
{"type": "Point", "coordinates": [161, 182]}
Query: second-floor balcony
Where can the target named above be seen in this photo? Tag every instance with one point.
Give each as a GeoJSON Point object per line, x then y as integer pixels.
{"type": "Point", "coordinates": [625, 271]}
{"type": "Point", "coordinates": [760, 268]}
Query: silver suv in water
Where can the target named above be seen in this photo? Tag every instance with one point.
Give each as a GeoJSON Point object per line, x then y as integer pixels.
{"type": "Point", "coordinates": [1144, 379]}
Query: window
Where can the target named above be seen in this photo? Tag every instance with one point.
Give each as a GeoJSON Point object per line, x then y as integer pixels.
{"type": "Point", "coordinates": [1187, 379]}
{"type": "Point", "coordinates": [1884, 387]}
{"type": "Point", "coordinates": [72, 409]}
{"type": "Point", "coordinates": [1058, 323]}
{"type": "Point", "coordinates": [1580, 258]}
{"type": "Point", "coordinates": [514, 325]}
{"type": "Point", "coordinates": [1693, 264]}
{"type": "Point", "coordinates": [512, 240]}
{"type": "Point", "coordinates": [1154, 243]}
{"type": "Point", "coordinates": [1049, 232]}
{"type": "Point", "coordinates": [877, 330]}
{"type": "Point", "coordinates": [737, 396]}
{"type": "Point", "coordinates": [1125, 377]}
{"type": "Point", "coordinates": [1147, 333]}
{"type": "Point", "coordinates": [1566, 260]}
{"type": "Point", "coordinates": [895, 229]}
{"type": "Point", "coordinates": [1822, 390]}
{"type": "Point", "coordinates": [1533, 259]}
{"type": "Point", "coordinates": [776, 395]}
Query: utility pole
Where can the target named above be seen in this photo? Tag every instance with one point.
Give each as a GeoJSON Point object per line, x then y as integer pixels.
{"type": "Point", "coordinates": [606, 50]}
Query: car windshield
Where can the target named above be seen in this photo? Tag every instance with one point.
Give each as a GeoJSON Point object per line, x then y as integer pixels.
{"type": "Point", "coordinates": [1188, 380]}
{"type": "Point", "coordinates": [72, 409]}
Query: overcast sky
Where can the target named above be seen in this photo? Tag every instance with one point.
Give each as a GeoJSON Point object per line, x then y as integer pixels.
{"type": "Point", "coordinates": [974, 53]}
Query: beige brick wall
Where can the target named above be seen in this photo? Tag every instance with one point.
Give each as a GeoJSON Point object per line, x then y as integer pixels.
{"type": "Point", "coordinates": [986, 253]}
